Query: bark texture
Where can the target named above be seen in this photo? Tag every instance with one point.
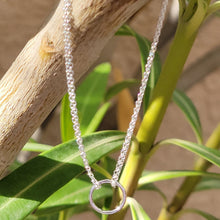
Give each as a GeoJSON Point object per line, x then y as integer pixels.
{"type": "Point", "coordinates": [35, 82]}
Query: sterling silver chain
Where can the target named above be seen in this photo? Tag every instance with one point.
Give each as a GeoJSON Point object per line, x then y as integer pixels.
{"type": "Point", "coordinates": [67, 16]}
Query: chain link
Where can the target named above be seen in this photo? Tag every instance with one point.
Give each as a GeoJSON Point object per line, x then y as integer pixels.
{"type": "Point", "coordinates": [67, 16]}
{"type": "Point", "coordinates": [126, 144]}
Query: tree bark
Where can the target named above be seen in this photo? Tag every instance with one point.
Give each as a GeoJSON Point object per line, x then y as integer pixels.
{"type": "Point", "coordinates": [35, 82]}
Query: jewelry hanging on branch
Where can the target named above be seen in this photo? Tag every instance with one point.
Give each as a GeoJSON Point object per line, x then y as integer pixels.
{"type": "Point", "coordinates": [67, 10]}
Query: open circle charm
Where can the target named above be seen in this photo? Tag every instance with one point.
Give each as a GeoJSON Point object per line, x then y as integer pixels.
{"type": "Point", "coordinates": [108, 212]}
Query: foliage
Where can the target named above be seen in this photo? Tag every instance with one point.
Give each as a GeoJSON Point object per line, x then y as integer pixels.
{"type": "Point", "coordinates": [53, 185]}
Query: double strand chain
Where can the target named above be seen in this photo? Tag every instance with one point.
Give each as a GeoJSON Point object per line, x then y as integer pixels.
{"type": "Point", "coordinates": [67, 15]}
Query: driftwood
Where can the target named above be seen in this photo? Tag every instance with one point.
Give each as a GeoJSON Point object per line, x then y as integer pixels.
{"type": "Point", "coordinates": [35, 82]}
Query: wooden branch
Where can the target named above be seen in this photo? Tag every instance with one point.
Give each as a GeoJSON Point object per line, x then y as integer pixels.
{"type": "Point", "coordinates": [35, 82]}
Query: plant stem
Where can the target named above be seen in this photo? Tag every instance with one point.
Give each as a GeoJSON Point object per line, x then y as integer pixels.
{"type": "Point", "coordinates": [134, 166]}
{"type": "Point", "coordinates": [165, 215]}
{"type": "Point", "coordinates": [190, 183]}
{"type": "Point", "coordinates": [190, 10]}
{"type": "Point", "coordinates": [213, 142]}
{"type": "Point", "coordinates": [178, 53]}
{"type": "Point", "coordinates": [63, 215]}
{"type": "Point", "coordinates": [182, 7]}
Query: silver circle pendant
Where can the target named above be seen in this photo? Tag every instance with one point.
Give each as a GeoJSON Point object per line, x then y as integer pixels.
{"type": "Point", "coordinates": [108, 212]}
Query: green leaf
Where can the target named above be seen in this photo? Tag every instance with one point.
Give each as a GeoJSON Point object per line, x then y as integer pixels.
{"type": "Point", "coordinates": [27, 187]}
{"type": "Point", "coordinates": [123, 31]}
{"type": "Point", "coordinates": [148, 186]}
{"type": "Point", "coordinates": [97, 119]}
{"type": "Point", "coordinates": [31, 140]}
{"type": "Point", "coordinates": [108, 163]}
{"type": "Point", "coordinates": [190, 112]}
{"type": "Point", "coordinates": [142, 185]}
{"type": "Point", "coordinates": [35, 147]}
{"type": "Point", "coordinates": [66, 126]}
{"type": "Point", "coordinates": [137, 211]}
{"type": "Point", "coordinates": [201, 213]}
{"type": "Point", "coordinates": [152, 187]}
{"type": "Point", "coordinates": [145, 182]}
{"type": "Point", "coordinates": [118, 87]}
{"type": "Point", "coordinates": [208, 183]}
{"type": "Point", "coordinates": [144, 47]}
{"type": "Point", "coordinates": [209, 154]}
{"type": "Point", "coordinates": [90, 94]}
{"type": "Point", "coordinates": [89, 97]}
{"type": "Point", "coordinates": [165, 175]}
{"type": "Point", "coordinates": [72, 194]}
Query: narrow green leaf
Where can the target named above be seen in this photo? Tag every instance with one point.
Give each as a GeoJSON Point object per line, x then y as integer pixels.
{"type": "Point", "coordinates": [205, 215]}
{"type": "Point", "coordinates": [73, 193]}
{"type": "Point", "coordinates": [145, 182]}
{"type": "Point", "coordinates": [97, 118]}
{"type": "Point", "coordinates": [148, 186]}
{"type": "Point", "coordinates": [31, 140]}
{"type": "Point", "coordinates": [66, 126]}
{"type": "Point", "coordinates": [144, 47]}
{"type": "Point", "coordinates": [90, 94]}
{"type": "Point", "coordinates": [118, 87]}
{"type": "Point", "coordinates": [208, 183]}
{"type": "Point", "coordinates": [137, 211]}
{"type": "Point", "coordinates": [27, 187]}
{"type": "Point", "coordinates": [212, 155]}
{"type": "Point", "coordinates": [35, 147]}
{"type": "Point", "coordinates": [165, 175]}
{"type": "Point", "coordinates": [96, 167]}
{"type": "Point", "coordinates": [123, 31]}
{"type": "Point", "coordinates": [190, 112]}
{"type": "Point", "coordinates": [152, 187]}
{"type": "Point", "coordinates": [108, 163]}
{"type": "Point", "coordinates": [142, 185]}
{"type": "Point", "coordinates": [89, 97]}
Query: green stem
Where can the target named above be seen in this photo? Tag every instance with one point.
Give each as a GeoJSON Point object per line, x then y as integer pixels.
{"type": "Point", "coordinates": [190, 10]}
{"type": "Point", "coordinates": [190, 183]}
{"type": "Point", "coordinates": [173, 66]}
{"type": "Point", "coordinates": [63, 215]}
{"type": "Point", "coordinates": [165, 215]}
{"type": "Point", "coordinates": [129, 179]}
{"type": "Point", "coordinates": [182, 7]}
{"type": "Point", "coordinates": [179, 51]}
{"type": "Point", "coordinates": [213, 142]}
